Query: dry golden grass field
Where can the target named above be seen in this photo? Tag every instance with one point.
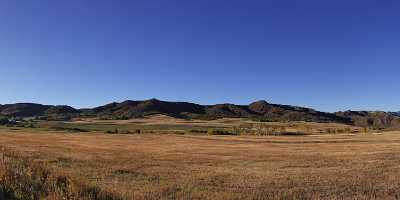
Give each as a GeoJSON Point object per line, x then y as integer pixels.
{"type": "Point", "coordinates": [174, 166]}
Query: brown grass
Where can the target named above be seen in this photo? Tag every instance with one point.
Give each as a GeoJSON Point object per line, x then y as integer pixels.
{"type": "Point", "coordinates": [22, 178]}
{"type": "Point", "coordinates": [153, 166]}
{"type": "Point", "coordinates": [230, 126]}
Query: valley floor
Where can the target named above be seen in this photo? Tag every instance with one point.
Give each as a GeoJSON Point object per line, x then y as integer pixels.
{"type": "Point", "coordinates": [167, 166]}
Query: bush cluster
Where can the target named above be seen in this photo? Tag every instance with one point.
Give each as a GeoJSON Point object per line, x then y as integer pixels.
{"type": "Point", "coordinates": [4, 120]}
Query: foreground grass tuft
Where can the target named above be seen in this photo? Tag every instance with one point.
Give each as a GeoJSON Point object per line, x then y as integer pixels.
{"type": "Point", "coordinates": [25, 179]}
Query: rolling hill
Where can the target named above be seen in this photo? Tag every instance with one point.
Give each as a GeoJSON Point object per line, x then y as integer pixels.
{"type": "Point", "coordinates": [377, 119]}
{"type": "Point", "coordinates": [133, 109]}
{"type": "Point", "coordinates": [35, 110]}
{"type": "Point", "coordinates": [23, 109]}
{"type": "Point", "coordinates": [259, 110]}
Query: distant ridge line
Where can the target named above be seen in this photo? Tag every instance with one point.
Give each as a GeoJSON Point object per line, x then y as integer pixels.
{"type": "Point", "coordinates": [258, 110]}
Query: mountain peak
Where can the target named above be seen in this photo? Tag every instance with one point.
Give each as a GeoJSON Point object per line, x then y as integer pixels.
{"type": "Point", "coordinates": [260, 102]}
{"type": "Point", "coordinates": [153, 100]}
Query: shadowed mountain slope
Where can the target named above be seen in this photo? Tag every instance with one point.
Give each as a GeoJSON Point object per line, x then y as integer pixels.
{"type": "Point", "coordinates": [32, 110]}
{"type": "Point", "coordinates": [59, 110]}
{"type": "Point", "coordinates": [278, 112]}
{"type": "Point", "coordinates": [259, 110]}
{"type": "Point", "coordinates": [377, 119]}
{"type": "Point", "coordinates": [23, 109]}
{"type": "Point", "coordinates": [132, 109]}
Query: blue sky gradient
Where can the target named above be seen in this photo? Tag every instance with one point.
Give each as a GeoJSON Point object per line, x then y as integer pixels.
{"type": "Point", "coordinates": [328, 55]}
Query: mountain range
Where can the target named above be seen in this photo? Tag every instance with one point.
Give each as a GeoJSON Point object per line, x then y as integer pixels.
{"type": "Point", "coordinates": [396, 113]}
{"type": "Point", "coordinates": [259, 110]}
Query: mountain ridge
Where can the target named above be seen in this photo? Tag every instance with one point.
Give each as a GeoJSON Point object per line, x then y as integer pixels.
{"type": "Point", "coordinates": [377, 119]}
{"type": "Point", "coordinates": [258, 110]}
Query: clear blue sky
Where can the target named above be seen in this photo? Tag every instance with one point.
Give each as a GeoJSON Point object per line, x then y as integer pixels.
{"type": "Point", "coordinates": [329, 55]}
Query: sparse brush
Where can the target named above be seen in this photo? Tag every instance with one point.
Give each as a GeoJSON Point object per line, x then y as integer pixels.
{"type": "Point", "coordinates": [24, 179]}
{"type": "Point", "coordinates": [220, 132]}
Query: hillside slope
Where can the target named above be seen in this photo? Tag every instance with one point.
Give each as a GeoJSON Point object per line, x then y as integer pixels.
{"type": "Point", "coordinates": [23, 109]}
{"type": "Point", "coordinates": [33, 110]}
{"type": "Point", "coordinates": [278, 112]}
{"type": "Point", "coordinates": [377, 119]}
{"type": "Point", "coordinates": [258, 110]}
{"type": "Point", "coordinates": [132, 109]}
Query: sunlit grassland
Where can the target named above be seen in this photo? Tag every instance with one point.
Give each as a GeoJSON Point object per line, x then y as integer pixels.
{"type": "Point", "coordinates": [170, 166]}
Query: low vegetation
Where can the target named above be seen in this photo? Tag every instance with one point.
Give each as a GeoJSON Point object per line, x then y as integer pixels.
{"type": "Point", "coordinates": [233, 127]}
{"type": "Point", "coordinates": [153, 166]}
{"type": "Point", "coordinates": [259, 111]}
{"type": "Point", "coordinates": [167, 158]}
{"type": "Point", "coordinates": [25, 179]}
{"type": "Point", "coordinates": [4, 120]}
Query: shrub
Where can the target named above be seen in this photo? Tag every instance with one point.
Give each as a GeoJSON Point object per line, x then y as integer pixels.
{"type": "Point", "coordinates": [121, 118]}
{"type": "Point", "coordinates": [292, 133]}
{"type": "Point", "coordinates": [331, 130]}
{"type": "Point", "coordinates": [117, 131]}
{"type": "Point", "coordinates": [219, 132]}
{"type": "Point", "coordinates": [125, 132]}
{"type": "Point", "coordinates": [198, 131]}
{"type": "Point", "coordinates": [75, 130]}
{"type": "Point", "coordinates": [4, 120]}
{"type": "Point", "coordinates": [30, 125]}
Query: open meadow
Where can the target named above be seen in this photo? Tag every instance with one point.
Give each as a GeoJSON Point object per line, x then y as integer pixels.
{"type": "Point", "coordinates": [167, 165]}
